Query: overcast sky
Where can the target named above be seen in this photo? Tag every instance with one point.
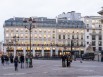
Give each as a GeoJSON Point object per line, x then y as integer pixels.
{"type": "Point", "coordinates": [45, 8]}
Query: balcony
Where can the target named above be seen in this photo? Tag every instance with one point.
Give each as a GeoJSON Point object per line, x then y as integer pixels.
{"type": "Point", "coordinates": [94, 33]}
{"type": "Point", "coordinates": [58, 45]}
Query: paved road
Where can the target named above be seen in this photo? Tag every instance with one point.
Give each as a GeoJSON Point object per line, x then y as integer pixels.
{"type": "Point", "coordinates": [53, 68]}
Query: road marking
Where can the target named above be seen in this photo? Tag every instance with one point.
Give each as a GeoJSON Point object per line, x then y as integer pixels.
{"type": "Point", "coordinates": [14, 74]}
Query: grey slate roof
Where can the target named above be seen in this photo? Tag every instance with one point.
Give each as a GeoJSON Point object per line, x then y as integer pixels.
{"type": "Point", "coordinates": [44, 22]}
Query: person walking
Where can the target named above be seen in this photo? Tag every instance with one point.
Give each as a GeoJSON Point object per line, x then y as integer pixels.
{"type": "Point", "coordinates": [68, 58]}
{"type": "Point", "coordinates": [2, 59]}
{"type": "Point", "coordinates": [16, 63]}
{"type": "Point", "coordinates": [11, 58]}
{"type": "Point", "coordinates": [63, 61]}
{"type": "Point", "coordinates": [7, 59]}
{"type": "Point", "coordinates": [27, 62]}
{"type": "Point", "coordinates": [22, 61]}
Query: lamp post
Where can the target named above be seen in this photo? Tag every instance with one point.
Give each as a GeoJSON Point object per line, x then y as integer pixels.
{"type": "Point", "coordinates": [71, 45]}
{"type": "Point", "coordinates": [29, 25]}
{"type": "Point", "coordinates": [73, 53]}
{"type": "Point", "coordinates": [15, 39]}
{"type": "Point", "coordinates": [9, 47]}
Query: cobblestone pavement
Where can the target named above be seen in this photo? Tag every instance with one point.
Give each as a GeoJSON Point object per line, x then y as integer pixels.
{"type": "Point", "coordinates": [53, 68]}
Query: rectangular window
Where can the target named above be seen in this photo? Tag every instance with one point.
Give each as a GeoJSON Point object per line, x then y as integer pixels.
{"type": "Point", "coordinates": [94, 48]}
{"type": "Point", "coordinates": [81, 43]}
{"type": "Point", "coordinates": [87, 37]}
{"type": "Point", "coordinates": [59, 36]}
{"type": "Point", "coordinates": [53, 31]}
{"type": "Point", "coordinates": [87, 25]}
{"type": "Point", "coordinates": [100, 48]}
{"type": "Point", "coordinates": [63, 36]}
{"type": "Point", "coordinates": [77, 43]}
{"type": "Point", "coordinates": [81, 37]}
{"type": "Point", "coordinates": [53, 35]}
{"type": "Point", "coordinates": [12, 30]}
{"type": "Point", "coordinates": [93, 43]}
{"type": "Point", "coordinates": [99, 26]}
{"type": "Point", "coordinates": [77, 37]}
{"type": "Point", "coordinates": [72, 36]}
{"type": "Point", "coordinates": [100, 37]}
{"type": "Point", "coordinates": [100, 43]}
{"type": "Point", "coordinates": [87, 30]}
{"type": "Point", "coordinates": [93, 37]}
{"type": "Point", "coordinates": [68, 37]}
{"type": "Point", "coordinates": [68, 43]}
{"type": "Point", "coordinates": [72, 44]}
{"type": "Point", "coordinates": [87, 42]}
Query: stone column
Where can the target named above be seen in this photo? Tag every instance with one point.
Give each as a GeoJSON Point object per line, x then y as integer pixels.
{"type": "Point", "coordinates": [62, 51]}
{"type": "Point", "coordinates": [56, 51]}
{"type": "Point", "coordinates": [4, 50]}
{"type": "Point", "coordinates": [51, 52]}
{"type": "Point", "coordinates": [42, 52]}
{"type": "Point", "coordinates": [14, 52]}
{"type": "Point", "coordinates": [33, 52]}
{"type": "Point", "coordinates": [24, 51]}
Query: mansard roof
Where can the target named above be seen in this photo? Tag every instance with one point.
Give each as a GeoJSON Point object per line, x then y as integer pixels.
{"type": "Point", "coordinates": [45, 22]}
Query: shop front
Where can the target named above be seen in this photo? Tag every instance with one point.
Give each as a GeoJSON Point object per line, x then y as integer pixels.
{"type": "Point", "coordinates": [46, 53]}
{"type": "Point", "coordinates": [38, 53]}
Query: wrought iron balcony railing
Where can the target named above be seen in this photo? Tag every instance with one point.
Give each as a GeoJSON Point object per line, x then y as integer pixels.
{"type": "Point", "coordinates": [58, 45]}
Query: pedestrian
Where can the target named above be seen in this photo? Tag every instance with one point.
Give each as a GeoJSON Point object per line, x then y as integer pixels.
{"type": "Point", "coordinates": [22, 61]}
{"type": "Point", "coordinates": [63, 61]}
{"type": "Point", "coordinates": [11, 58]}
{"type": "Point", "coordinates": [7, 59]}
{"type": "Point", "coordinates": [27, 63]}
{"type": "Point", "coordinates": [30, 62]}
{"type": "Point", "coordinates": [2, 59]}
{"type": "Point", "coordinates": [16, 63]}
{"type": "Point", "coordinates": [68, 58]}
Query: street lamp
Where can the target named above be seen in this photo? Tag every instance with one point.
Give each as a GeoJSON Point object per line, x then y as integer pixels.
{"type": "Point", "coordinates": [29, 25]}
{"type": "Point", "coordinates": [9, 47]}
{"type": "Point", "coordinates": [15, 39]}
{"type": "Point", "coordinates": [72, 44]}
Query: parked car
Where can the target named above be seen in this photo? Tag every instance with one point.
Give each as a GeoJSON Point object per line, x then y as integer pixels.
{"type": "Point", "coordinates": [88, 56]}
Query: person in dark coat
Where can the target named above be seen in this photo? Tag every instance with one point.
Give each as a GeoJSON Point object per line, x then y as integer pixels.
{"type": "Point", "coordinates": [68, 58]}
{"type": "Point", "coordinates": [22, 61]}
{"type": "Point", "coordinates": [16, 63]}
{"type": "Point", "coordinates": [7, 59]}
{"type": "Point", "coordinates": [2, 59]}
{"type": "Point", "coordinates": [63, 61]}
{"type": "Point", "coordinates": [11, 58]}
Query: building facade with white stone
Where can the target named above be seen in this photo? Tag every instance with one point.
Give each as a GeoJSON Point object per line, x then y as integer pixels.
{"type": "Point", "coordinates": [93, 33]}
{"type": "Point", "coordinates": [54, 37]}
{"type": "Point", "coordinates": [70, 15]}
{"type": "Point", "coordinates": [50, 37]}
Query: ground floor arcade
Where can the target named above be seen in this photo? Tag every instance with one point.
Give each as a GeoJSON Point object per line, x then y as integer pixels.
{"type": "Point", "coordinates": [43, 51]}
